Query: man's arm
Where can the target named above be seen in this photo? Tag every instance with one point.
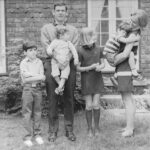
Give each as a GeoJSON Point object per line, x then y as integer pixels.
{"type": "Point", "coordinates": [45, 37]}
{"type": "Point", "coordinates": [75, 37]}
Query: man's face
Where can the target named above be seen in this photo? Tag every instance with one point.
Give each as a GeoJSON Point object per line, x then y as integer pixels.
{"type": "Point", "coordinates": [31, 53]}
{"type": "Point", "coordinates": [60, 13]}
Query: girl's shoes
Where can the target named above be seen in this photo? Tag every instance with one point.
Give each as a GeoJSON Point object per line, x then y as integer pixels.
{"type": "Point", "coordinates": [39, 140]}
{"type": "Point", "coordinates": [128, 133]}
{"type": "Point", "coordinates": [122, 130]}
{"type": "Point", "coordinates": [97, 132]}
{"type": "Point", "coordinates": [90, 133]}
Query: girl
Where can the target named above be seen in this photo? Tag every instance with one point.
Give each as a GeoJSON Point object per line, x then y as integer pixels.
{"type": "Point", "coordinates": [90, 65]}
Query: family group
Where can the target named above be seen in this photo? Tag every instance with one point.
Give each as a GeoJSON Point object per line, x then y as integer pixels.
{"type": "Point", "coordinates": [66, 50]}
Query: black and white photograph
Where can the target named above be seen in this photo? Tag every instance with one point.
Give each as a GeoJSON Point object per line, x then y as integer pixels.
{"type": "Point", "coordinates": [74, 74]}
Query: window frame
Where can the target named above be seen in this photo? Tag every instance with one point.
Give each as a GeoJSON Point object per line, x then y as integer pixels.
{"type": "Point", "coordinates": [3, 36]}
{"type": "Point", "coordinates": [110, 69]}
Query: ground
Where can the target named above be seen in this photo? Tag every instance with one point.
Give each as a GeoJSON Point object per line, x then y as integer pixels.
{"type": "Point", "coordinates": [11, 133]}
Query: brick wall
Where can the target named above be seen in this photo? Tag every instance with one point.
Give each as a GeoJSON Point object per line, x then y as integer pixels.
{"type": "Point", "coordinates": [145, 42]}
{"type": "Point", "coordinates": [24, 19]}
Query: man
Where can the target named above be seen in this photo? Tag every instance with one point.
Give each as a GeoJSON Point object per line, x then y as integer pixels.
{"type": "Point", "coordinates": [48, 33]}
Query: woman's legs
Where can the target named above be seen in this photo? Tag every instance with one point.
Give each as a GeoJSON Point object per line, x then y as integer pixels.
{"type": "Point", "coordinates": [130, 113]}
{"type": "Point", "coordinates": [96, 110]}
{"type": "Point", "coordinates": [88, 100]}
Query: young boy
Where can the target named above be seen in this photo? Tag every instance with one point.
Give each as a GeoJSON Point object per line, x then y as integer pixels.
{"type": "Point", "coordinates": [32, 73]}
{"type": "Point", "coordinates": [61, 50]}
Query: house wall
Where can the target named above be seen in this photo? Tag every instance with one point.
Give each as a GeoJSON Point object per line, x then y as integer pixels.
{"type": "Point", "coordinates": [24, 19]}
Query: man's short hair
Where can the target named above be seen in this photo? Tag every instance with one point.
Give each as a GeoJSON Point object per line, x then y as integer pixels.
{"type": "Point", "coordinates": [28, 44]}
{"type": "Point", "coordinates": [60, 4]}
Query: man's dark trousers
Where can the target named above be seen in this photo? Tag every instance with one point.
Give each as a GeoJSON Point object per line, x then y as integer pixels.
{"type": "Point", "coordinates": [68, 98]}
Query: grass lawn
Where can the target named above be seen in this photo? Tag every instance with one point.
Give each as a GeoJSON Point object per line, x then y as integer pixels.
{"type": "Point", "coordinates": [11, 133]}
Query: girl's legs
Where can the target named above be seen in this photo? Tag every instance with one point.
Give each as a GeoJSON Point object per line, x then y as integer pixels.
{"type": "Point", "coordinates": [132, 64]}
{"type": "Point", "coordinates": [64, 76]}
{"type": "Point", "coordinates": [88, 100]}
{"type": "Point", "coordinates": [123, 55]}
{"type": "Point", "coordinates": [96, 110]}
{"type": "Point", "coordinates": [130, 113]}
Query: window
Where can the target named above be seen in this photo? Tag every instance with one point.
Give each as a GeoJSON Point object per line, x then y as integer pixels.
{"type": "Point", "coordinates": [2, 39]}
{"type": "Point", "coordinates": [105, 15]}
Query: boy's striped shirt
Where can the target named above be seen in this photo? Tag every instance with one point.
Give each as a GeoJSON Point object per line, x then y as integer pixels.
{"type": "Point", "coordinates": [112, 46]}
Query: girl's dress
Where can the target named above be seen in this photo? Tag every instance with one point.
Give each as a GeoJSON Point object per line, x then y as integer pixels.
{"type": "Point", "coordinates": [91, 81]}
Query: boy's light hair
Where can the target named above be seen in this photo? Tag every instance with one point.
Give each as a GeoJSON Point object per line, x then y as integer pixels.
{"type": "Point", "coordinates": [125, 26]}
{"type": "Point", "coordinates": [60, 30]}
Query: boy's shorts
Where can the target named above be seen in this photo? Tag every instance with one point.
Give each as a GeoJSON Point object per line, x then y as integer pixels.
{"type": "Point", "coordinates": [110, 58]}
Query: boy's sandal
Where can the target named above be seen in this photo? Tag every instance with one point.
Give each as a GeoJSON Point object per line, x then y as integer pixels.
{"type": "Point", "coordinates": [128, 133]}
{"type": "Point", "coordinates": [28, 143]}
{"type": "Point", "coordinates": [121, 130]}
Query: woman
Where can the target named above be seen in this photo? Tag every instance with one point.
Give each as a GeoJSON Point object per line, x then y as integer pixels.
{"type": "Point", "coordinates": [137, 20]}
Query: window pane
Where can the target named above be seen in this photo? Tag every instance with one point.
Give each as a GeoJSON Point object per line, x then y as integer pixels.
{"type": "Point", "coordinates": [2, 38]}
{"type": "Point", "coordinates": [117, 23]}
{"type": "Point", "coordinates": [123, 12]}
{"type": "Point", "coordinates": [98, 39]}
{"type": "Point", "coordinates": [96, 12]}
{"type": "Point", "coordinates": [104, 12]}
{"type": "Point", "coordinates": [124, 8]}
{"type": "Point", "coordinates": [96, 25]}
{"type": "Point", "coordinates": [104, 26]}
{"type": "Point", "coordinates": [99, 9]}
{"type": "Point", "coordinates": [104, 38]}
